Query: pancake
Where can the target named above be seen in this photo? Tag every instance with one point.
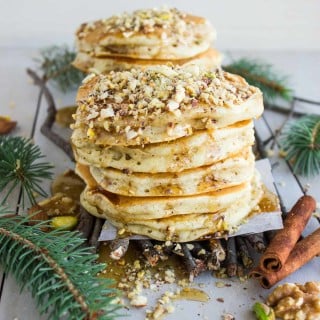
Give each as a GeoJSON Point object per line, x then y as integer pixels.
{"type": "Point", "coordinates": [210, 59]}
{"type": "Point", "coordinates": [132, 208]}
{"type": "Point", "coordinates": [200, 149]}
{"type": "Point", "coordinates": [164, 34]}
{"type": "Point", "coordinates": [161, 104]}
{"type": "Point", "coordinates": [226, 173]}
{"type": "Point", "coordinates": [181, 227]}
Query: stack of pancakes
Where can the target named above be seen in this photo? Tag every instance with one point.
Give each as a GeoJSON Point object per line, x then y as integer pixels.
{"type": "Point", "coordinates": [145, 38]}
{"type": "Point", "coordinates": [166, 151]}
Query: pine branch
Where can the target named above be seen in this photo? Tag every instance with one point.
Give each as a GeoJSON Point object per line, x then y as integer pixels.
{"type": "Point", "coordinates": [301, 142]}
{"type": "Point", "coordinates": [55, 62]}
{"type": "Point", "coordinates": [60, 273]}
{"type": "Point", "coordinates": [20, 168]}
{"type": "Point", "coordinates": [263, 76]}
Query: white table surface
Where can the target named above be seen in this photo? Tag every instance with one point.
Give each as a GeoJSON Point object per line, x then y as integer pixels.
{"type": "Point", "coordinates": [18, 99]}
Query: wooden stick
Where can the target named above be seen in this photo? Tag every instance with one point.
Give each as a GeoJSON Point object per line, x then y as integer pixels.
{"type": "Point", "coordinates": [118, 248]}
{"type": "Point", "coordinates": [150, 253]}
{"type": "Point", "coordinates": [243, 252]}
{"type": "Point", "coordinates": [217, 249]}
{"type": "Point", "coordinates": [231, 259]}
{"type": "Point", "coordinates": [46, 128]}
{"type": "Point", "coordinates": [85, 224]}
{"type": "Point", "coordinates": [194, 266]}
{"type": "Point", "coordinates": [257, 241]}
{"type": "Point", "coordinates": [285, 239]}
{"type": "Point", "coordinates": [93, 240]}
{"type": "Point", "coordinates": [302, 253]}
{"type": "Point", "coordinates": [198, 250]}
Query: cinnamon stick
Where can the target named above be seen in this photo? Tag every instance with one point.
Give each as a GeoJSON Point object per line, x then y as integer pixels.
{"type": "Point", "coordinates": [285, 239]}
{"type": "Point", "coordinates": [302, 253]}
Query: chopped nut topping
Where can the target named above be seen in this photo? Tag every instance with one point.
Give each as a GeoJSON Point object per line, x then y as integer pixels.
{"type": "Point", "coordinates": [165, 20]}
{"type": "Point", "coordinates": [138, 97]}
{"type": "Point", "coordinates": [139, 301]}
{"type": "Point", "coordinates": [107, 112]}
{"type": "Point", "coordinates": [296, 301]}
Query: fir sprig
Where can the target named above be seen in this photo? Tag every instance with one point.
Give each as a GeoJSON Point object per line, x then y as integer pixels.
{"type": "Point", "coordinates": [58, 270]}
{"type": "Point", "coordinates": [263, 76]}
{"type": "Point", "coordinates": [301, 142]}
{"type": "Point", "coordinates": [20, 167]}
{"type": "Point", "coordinates": [55, 62]}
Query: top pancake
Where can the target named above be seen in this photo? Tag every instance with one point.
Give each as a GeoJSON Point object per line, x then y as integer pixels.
{"type": "Point", "coordinates": [162, 103]}
{"type": "Point", "coordinates": [147, 34]}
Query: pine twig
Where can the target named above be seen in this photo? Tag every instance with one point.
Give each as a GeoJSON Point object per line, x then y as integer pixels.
{"type": "Point", "coordinates": [261, 75]}
{"type": "Point", "coordinates": [56, 64]}
{"type": "Point", "coordinates": [60, 273]}
{"type": "Point", "coordinates": [20, 167]}
{"type": "Point", "coordinates": [300, 141]}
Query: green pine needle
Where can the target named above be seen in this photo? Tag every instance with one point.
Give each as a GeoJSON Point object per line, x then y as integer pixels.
{"type": "Point", "coordinates": [55, 62]}
{"type": "Point", "coordinates": [263, 76]}
{"type": "Point", "coordinates": [20, 168]}
{"type": "Point", "coordinates": [58, 270]}
{"type": "Point", "coordinates": [301, 142]}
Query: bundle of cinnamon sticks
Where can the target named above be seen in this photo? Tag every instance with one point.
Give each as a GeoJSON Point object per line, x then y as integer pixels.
{"type": "Point", "coordinates": [285, 253]}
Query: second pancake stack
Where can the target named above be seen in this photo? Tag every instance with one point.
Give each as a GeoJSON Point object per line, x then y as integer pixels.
{"type": "Point", "coordinates": [145, 38]}
{"type": "Point", "coordinates": [166, 151]}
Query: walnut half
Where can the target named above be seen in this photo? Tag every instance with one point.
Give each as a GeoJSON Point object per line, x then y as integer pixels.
{"type": "Point", "coordinates": [296, 301]}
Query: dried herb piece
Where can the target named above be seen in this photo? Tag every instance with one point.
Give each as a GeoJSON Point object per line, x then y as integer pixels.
{"type": "Point", "coordinates": [6, 125]}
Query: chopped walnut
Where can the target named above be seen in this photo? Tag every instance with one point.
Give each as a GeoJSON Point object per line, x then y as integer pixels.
{"type": "Point", "coordinates": [118, 99]}
{"type": "Point", "coordinates": [296, 301]}
{"type": "Point", "coordinates": [169, 24]}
